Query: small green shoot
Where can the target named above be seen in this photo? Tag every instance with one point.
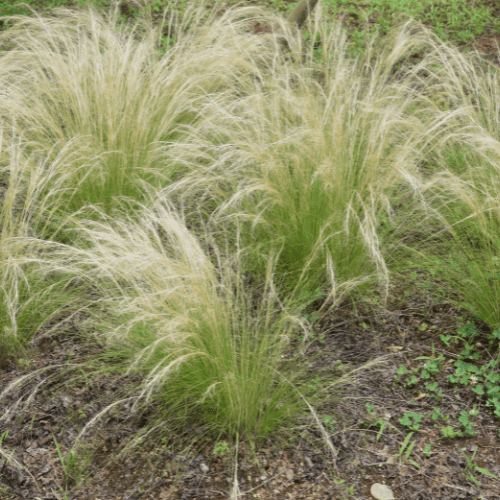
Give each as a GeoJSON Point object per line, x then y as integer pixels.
{"type": "Point", "coordinates": [221, 448]}
{"type": "Point", "coordinates": [426, 450]}
{"type": "Point", "coordinates": [405, 451]}
{"type": "Point", "coordinates": [68, 463]}
{"type": "Point", "coordinates": [471, 467]}
{"type": "Point", "coordinates": [449, 432]}
{"type": "Point", "coordinates": [383, 424]}
{"type": "Point", "coordinates": [438, 414]}
{"type": "Point", "coordinates": [328, 421]}
{"type": "Point", "coordinates": [3, 436]}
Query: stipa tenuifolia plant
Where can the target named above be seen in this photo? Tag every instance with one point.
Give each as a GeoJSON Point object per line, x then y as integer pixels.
{"type": "Point", "coordinates": [309, 164]}
{"type": "Point", "coordinates": [27, 297]}
{"type": "Point", "coordinates": [210, 349]}
{"type": "Point", "coordinates": [83, 82]}
{"type": "Point", "coordinates": [464, 190]}
{"type": "Point", "coordinates": [469, 250]}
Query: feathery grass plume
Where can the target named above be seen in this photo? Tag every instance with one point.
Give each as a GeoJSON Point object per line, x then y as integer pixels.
{"type": "Point", "coordinates": [28, 298]}
{"type": "Point", "coordinates": [465, 88]}
{"type": "Point", "coordinates": [463, 188]}
{"type": "Point", "coordinates": [209, 348]}
{"type": "Point", "coordinates": [210, 351]}
{"type": "Point", "coordinates": [79, 78]}
{"type": "Point", "coordinates": [309, 167]}
{"type": "Point", "coordinates": [472, 262]}
{"type": "Point", "coordinates": [466, 247]}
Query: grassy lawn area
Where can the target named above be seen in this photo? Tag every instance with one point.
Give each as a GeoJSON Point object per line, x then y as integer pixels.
{"type": "Point", "coordinates": [240, 256]}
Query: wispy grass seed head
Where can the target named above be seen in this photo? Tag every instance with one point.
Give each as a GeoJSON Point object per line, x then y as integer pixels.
{"type": "Point", "coordinates": [191, 329]}
{"type": "Point", "coordinates": [78, 75]}
{"type": "Point", "coordinates": [310, 165]}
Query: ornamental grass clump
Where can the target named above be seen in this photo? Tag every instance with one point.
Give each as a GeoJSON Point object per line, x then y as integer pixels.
{"type": "Point", "coordinates": [209, 349]}
{"type": "Point", "coordinates": [464, 188]}
{"type": "Point", "coordinates": [467, 249]}
{"type": "Point", "coordinates": [308, 165]}
{"type": "Point", "coordinates": [28, 299]}
{"type": "Point", "coordinates": [85, 83]}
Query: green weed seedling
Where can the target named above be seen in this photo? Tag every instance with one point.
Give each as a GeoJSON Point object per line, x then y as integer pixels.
{"type": "Point", "coordinates": [221, 448]}
{"type": "Point", "coordinates": [494, 338]}
{"type": "Point", "coordinates": [349, 490]}
{"type": "Point", "coordinates": [376, 421]}
{"type": "Point", "coordinates": [383, 424]}
{"type": "Point", "coordinates": [426, 450]}
{"type": "Point", "coordinates": [495, 403]}
{"type": "Point", "coordinates": [411, 379]}
{"type": "Point", "coordinates": [449, 432]}
{"type": "Point", "coordinates": [3, 436]}
{"type": "Point", "coordinates": [405, 452]}
{"type": "Point", "coordinates": [469, 374]}
{"type": "Point", "coordinates": [435, 391]}
{"type": "Point", "coordinates": [413, 402]}
{"type": "Point", "coordinates": [370, 408]}
{"type": "Point", "coordinates": [313, 387]}
{"type": "Point", "coordinates": [328, 421]}
{"type": "Point", "coordinates": [68, 463]}
{"type": "Point", "coordinates": [312, 317]}
{"type": "Point", "coordinates": [6, 458]}
{"type": "Point", "coordinates": [400, 372]}
{"type": "Point", "coordinates": [466, 426]}
{"type": "Point", "coordinates": [308, 298]}
{"type": "Point", "coordinates": [448, 340]}
{"type": "Point", "coordinates": [485, 380]}
{"type": "Point", "coordinates": [432, 367]}
{"type": "Point", "coordinates": [464, 333]}
{"type": "Point", "coordinates": [438, 414]}
{"type": "Point", "coordinates": [411, 420]}
{"type": "Point", "coordinates": [471, 467]}
{"type": "Point", "coordinates": [464, 419]}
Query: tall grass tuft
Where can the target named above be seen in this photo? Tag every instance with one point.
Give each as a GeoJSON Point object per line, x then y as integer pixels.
{"type": "Point", "coordinates": [28, 298]}
{"type": "Point", "coordinates": [211, 347]}
{"type": "Point", "coordinates": [83, 80]}
{"type": "Point", "coordinates": [464, 191]}
{"type": "Point", "coordinates": [309, 164]}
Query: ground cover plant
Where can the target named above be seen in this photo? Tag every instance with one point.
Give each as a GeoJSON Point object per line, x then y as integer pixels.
{"type": "Point", "coordinates": [243, 257]}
